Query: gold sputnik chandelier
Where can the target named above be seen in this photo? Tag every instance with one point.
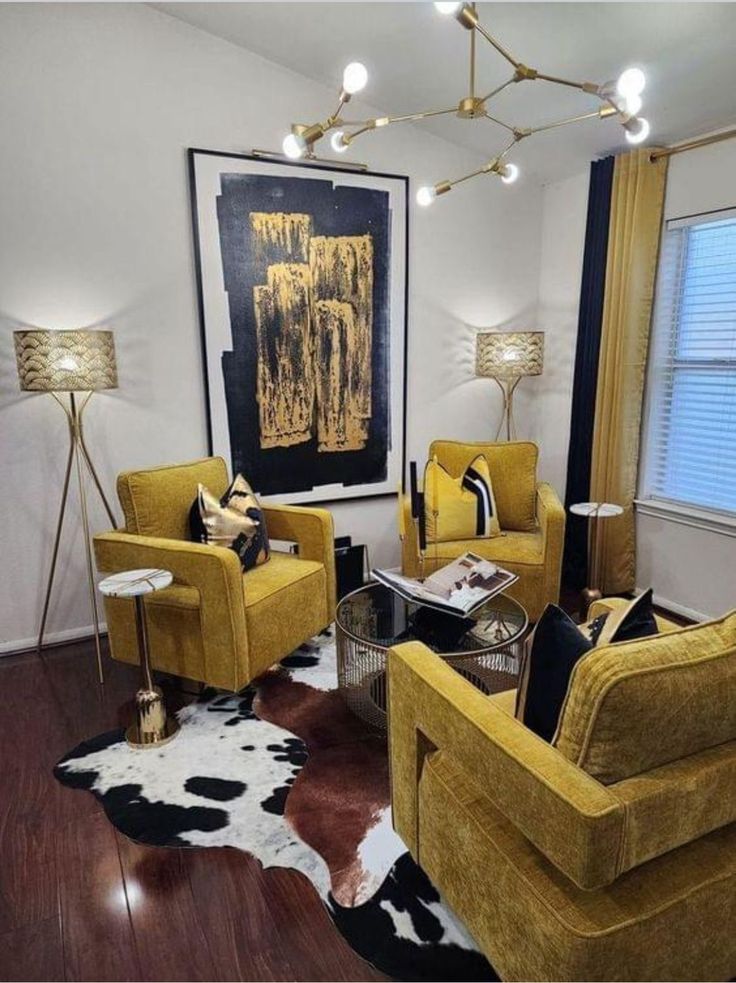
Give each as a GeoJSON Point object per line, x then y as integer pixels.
{"type": "Point", "coordinates": [620, 100]}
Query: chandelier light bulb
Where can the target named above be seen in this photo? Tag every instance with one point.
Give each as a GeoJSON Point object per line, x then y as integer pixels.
{"type": "Point", "coordinates": [509, 173]}
{"type": "Point", "coordinates": [447, 8]}
{"type": "Point", "coordinates": [337, 142]}
{"type": "Point", "coordinates": [354, 77]}
{"type": "Point", "coordinates": [639, 134]}
{"type": "Point", "coordinates": [633, 104]}
{"type": "Point", "coordinates": [426, 195]}
{"type": "Point", "coordinates": [631, 82]}
{"type": "Point", "coordinates": [293, 146]}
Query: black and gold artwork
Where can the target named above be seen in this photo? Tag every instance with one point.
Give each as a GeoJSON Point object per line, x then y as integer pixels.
{"type": "Point", "coordinates": [307, 265]}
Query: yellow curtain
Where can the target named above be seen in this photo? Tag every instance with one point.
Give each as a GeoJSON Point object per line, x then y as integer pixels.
{"type": "Point", "coordinates": [637, 203]}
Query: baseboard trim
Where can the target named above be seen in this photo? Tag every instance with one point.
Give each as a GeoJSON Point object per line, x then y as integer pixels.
{"type": "Point", "coordinates": [675, 608]}
{"type": "Point", "coordinates": [20, 645]}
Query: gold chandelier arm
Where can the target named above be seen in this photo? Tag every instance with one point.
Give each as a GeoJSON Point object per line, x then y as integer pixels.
{"type": "Point", "coordinates": [494, 119]}
{"type": "Point", "coordinates": [584, 86]}
{"type": "Point", "coordinates": [509, 147]}
{"type": "Point", "coordinates": [364, 126]}
{"type": "Point", "coordinates": [497, 45]}
{"type": "Point", "coordinates": [495, 92]}
{"type": "Point", "coordinates": [596, 114]}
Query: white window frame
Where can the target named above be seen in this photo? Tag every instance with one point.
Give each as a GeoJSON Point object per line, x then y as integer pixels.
{"type": "Point", "coordinates": [647, 502]}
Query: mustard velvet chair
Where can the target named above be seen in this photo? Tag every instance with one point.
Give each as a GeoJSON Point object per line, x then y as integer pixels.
{"type": "Point", "coordinates": [530, 514]}
{"type": "Point", "coordinates": [610, 856]}
{"type": "Point", "coordinates": [215, 624]}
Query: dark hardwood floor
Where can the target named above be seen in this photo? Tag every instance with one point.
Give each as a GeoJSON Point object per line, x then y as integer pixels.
{"type": "Point", "coordinates": [79, 901]}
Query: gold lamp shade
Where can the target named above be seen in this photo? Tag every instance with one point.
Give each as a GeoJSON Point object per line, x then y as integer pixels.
{"type": "Point", "coordinates": [65, 361]}
{"type": "Point", "coordinates": [509, 355]}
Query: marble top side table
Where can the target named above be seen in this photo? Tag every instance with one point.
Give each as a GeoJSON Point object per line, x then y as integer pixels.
{"type": "Point", "coordinates": [594, 511]}
{"type": "Point", "coordinates": [152, 727]}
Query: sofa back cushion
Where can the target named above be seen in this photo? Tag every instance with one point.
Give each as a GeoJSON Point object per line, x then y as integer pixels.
{"type": "Point", "coordinates": [513, 469]}
{"type": "Point", "coordinates": [634, 706]}
{"type": "Point", "coordinates": [156, 502]}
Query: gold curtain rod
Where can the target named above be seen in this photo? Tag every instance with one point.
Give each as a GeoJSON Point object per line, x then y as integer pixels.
{"type": "Point", "coordinates": [692, 145]}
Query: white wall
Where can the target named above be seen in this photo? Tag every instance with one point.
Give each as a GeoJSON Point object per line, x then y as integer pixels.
{"type": "Point", "coordinates": [563, 238]}
{"type": "Point", "coordinates": [99, 103]}
{"type": "Point", "coordinates": [691, 569]}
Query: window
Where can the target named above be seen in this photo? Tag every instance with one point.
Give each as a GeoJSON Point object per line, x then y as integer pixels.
{"type": "Point", "coordinates": [690, 442]}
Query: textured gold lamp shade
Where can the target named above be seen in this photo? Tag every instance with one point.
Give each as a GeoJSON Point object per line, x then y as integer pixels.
{"type": "Point", "coordinates": [66, 361]}
{"type": "Point", "coordinates": [505, 357]}
{"type": "Point", "coordinates": [509, 354]}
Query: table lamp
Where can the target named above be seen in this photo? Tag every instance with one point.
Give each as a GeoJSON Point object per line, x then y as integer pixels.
{"type": "Point", "coordinates": [70, 362]}
{"type": "Point", "coordinates": [507, 356]}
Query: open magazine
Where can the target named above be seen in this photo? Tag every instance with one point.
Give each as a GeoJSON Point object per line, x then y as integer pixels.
{"type": "Point", "coordinates": [458, 588]}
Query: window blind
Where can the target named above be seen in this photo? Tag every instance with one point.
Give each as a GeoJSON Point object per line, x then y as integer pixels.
{"type": "Point", "coordinates": [690, 445]}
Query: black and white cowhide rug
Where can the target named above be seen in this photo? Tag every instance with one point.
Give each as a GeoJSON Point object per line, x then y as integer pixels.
{"type": "Point", "coordinates": [285, 772]}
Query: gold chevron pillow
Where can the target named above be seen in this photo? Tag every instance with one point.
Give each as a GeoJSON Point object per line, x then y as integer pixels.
{"type": "Point", "coordinates": [465, 506]}
{"type": "Point", "coordinates": [235, 521]}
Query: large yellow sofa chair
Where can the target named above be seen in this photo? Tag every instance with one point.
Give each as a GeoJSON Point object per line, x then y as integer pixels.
{"type": "Point", "coordinates": [215, 624]}
{"type": "Point", "coordinates": [560, 875]}
{"type": "Point", "coordinates": [530, 514]}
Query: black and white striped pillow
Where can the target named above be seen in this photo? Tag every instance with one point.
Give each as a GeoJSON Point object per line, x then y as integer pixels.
{"type": "Point", "coordinates": [460, 507]}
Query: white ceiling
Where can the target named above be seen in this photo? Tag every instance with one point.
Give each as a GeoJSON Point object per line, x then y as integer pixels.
{"type": "Point", "coordinates": [417, 59]}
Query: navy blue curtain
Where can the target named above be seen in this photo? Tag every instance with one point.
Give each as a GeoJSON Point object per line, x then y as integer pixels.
{"type": "Point", "coordinates": [590, 316]}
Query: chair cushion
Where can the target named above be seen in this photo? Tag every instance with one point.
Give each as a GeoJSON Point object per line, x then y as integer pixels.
{"type": "Point", "coordinates": [518, 548]}
{"type": "Point", "coordinates": [465, 505]}
{"type": "Point", "coordinates": [635, 705]}
{"type": "Point", "coordinates": [513, 469]}
{"type": "Point", "coordinates": [156, 501]}
{"type": "Point", "coordinates": [282, 570]}
{"type": "Point", "coordinates": [285, 602]}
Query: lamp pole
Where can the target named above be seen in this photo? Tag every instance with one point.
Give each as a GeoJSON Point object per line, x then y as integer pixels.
{"type": "Point", "coordinates": [78, 454]}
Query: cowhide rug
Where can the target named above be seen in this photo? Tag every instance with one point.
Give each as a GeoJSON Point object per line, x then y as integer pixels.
{"type": "Point", "coordinates": [285, 772]}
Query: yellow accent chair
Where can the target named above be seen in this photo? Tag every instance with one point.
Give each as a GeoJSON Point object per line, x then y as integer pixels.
{"type": "Point", "coordinates": [530, 514]}
{"type": "Point", "coordinates": [215, 624]}
{"type": "Point", "coordinates": [560, 875]}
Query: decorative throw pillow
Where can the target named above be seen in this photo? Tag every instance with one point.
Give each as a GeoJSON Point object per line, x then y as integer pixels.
{"type": "Point", "coordinates": [235, 521]}
{"type": "Point", "coordinates": [465, 506]}
{"type": "Point", "coordinates": [555, 647]}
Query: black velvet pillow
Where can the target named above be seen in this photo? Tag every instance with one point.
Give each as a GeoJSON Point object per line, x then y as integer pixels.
{"type": "Point", "coordinates": [556, 646]}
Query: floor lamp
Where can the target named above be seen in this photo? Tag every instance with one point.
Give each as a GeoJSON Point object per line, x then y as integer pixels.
{"type": "Point", "coordinates": [506, 357]}
{"type": "Point", "coordinates": [64, 363]}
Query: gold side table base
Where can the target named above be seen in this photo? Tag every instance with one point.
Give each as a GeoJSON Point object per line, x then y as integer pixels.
{"type": "Point", "coordinates": [152, 726]}
{"type": "Point", "coordinates": [587, 596]}
{"type": "Point", "coordinates": [138, 740]}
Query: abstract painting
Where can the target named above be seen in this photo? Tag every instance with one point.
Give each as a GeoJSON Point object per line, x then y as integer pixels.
{"type": "Point", "coordinates": [302, 281]}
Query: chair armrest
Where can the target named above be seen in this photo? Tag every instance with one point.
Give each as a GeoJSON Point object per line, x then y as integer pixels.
{"type": "Point", "coordinates": [551, 517]}
{"type": "Point", "coordinates": [550, 512]}
{"type": "Point", "coordinates": [313, 530]}
{"type": "Point", "coordinates": [213, 570]}
{"type": "Point", "coordinates": [410, 545]}
{"type": "Point", "coordinates": [608, 604]}
{"type": "Point", "coordinates": [573, 819]}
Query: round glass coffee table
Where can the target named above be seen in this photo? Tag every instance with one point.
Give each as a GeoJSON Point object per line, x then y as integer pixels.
{"type": "Point", "coordinates": [484, 647]}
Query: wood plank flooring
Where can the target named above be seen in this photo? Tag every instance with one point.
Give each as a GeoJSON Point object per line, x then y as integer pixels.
{"type": "Point", "coordinates": [78, 901]}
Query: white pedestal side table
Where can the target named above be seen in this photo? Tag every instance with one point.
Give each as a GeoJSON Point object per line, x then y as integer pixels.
{"type": "Point", "coordinates": [594, 511]}
{"type": "Point", "coordinates": [152, 727]}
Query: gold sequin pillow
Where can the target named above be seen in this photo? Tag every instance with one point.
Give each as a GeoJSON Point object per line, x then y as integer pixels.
{"type": "Point", "coordinates": [235, 521]}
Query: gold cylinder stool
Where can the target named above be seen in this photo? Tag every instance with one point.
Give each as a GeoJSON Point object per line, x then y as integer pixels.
{"type": "Point", "coordinates": [152, 727]}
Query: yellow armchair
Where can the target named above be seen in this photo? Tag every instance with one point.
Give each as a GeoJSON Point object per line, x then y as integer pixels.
{"type": "Point", "coordinates": [215, 624]}
{"type": "Point", "coordinates": [530, 513]}
{"type": "Point", "coordinates": [557, 875]}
